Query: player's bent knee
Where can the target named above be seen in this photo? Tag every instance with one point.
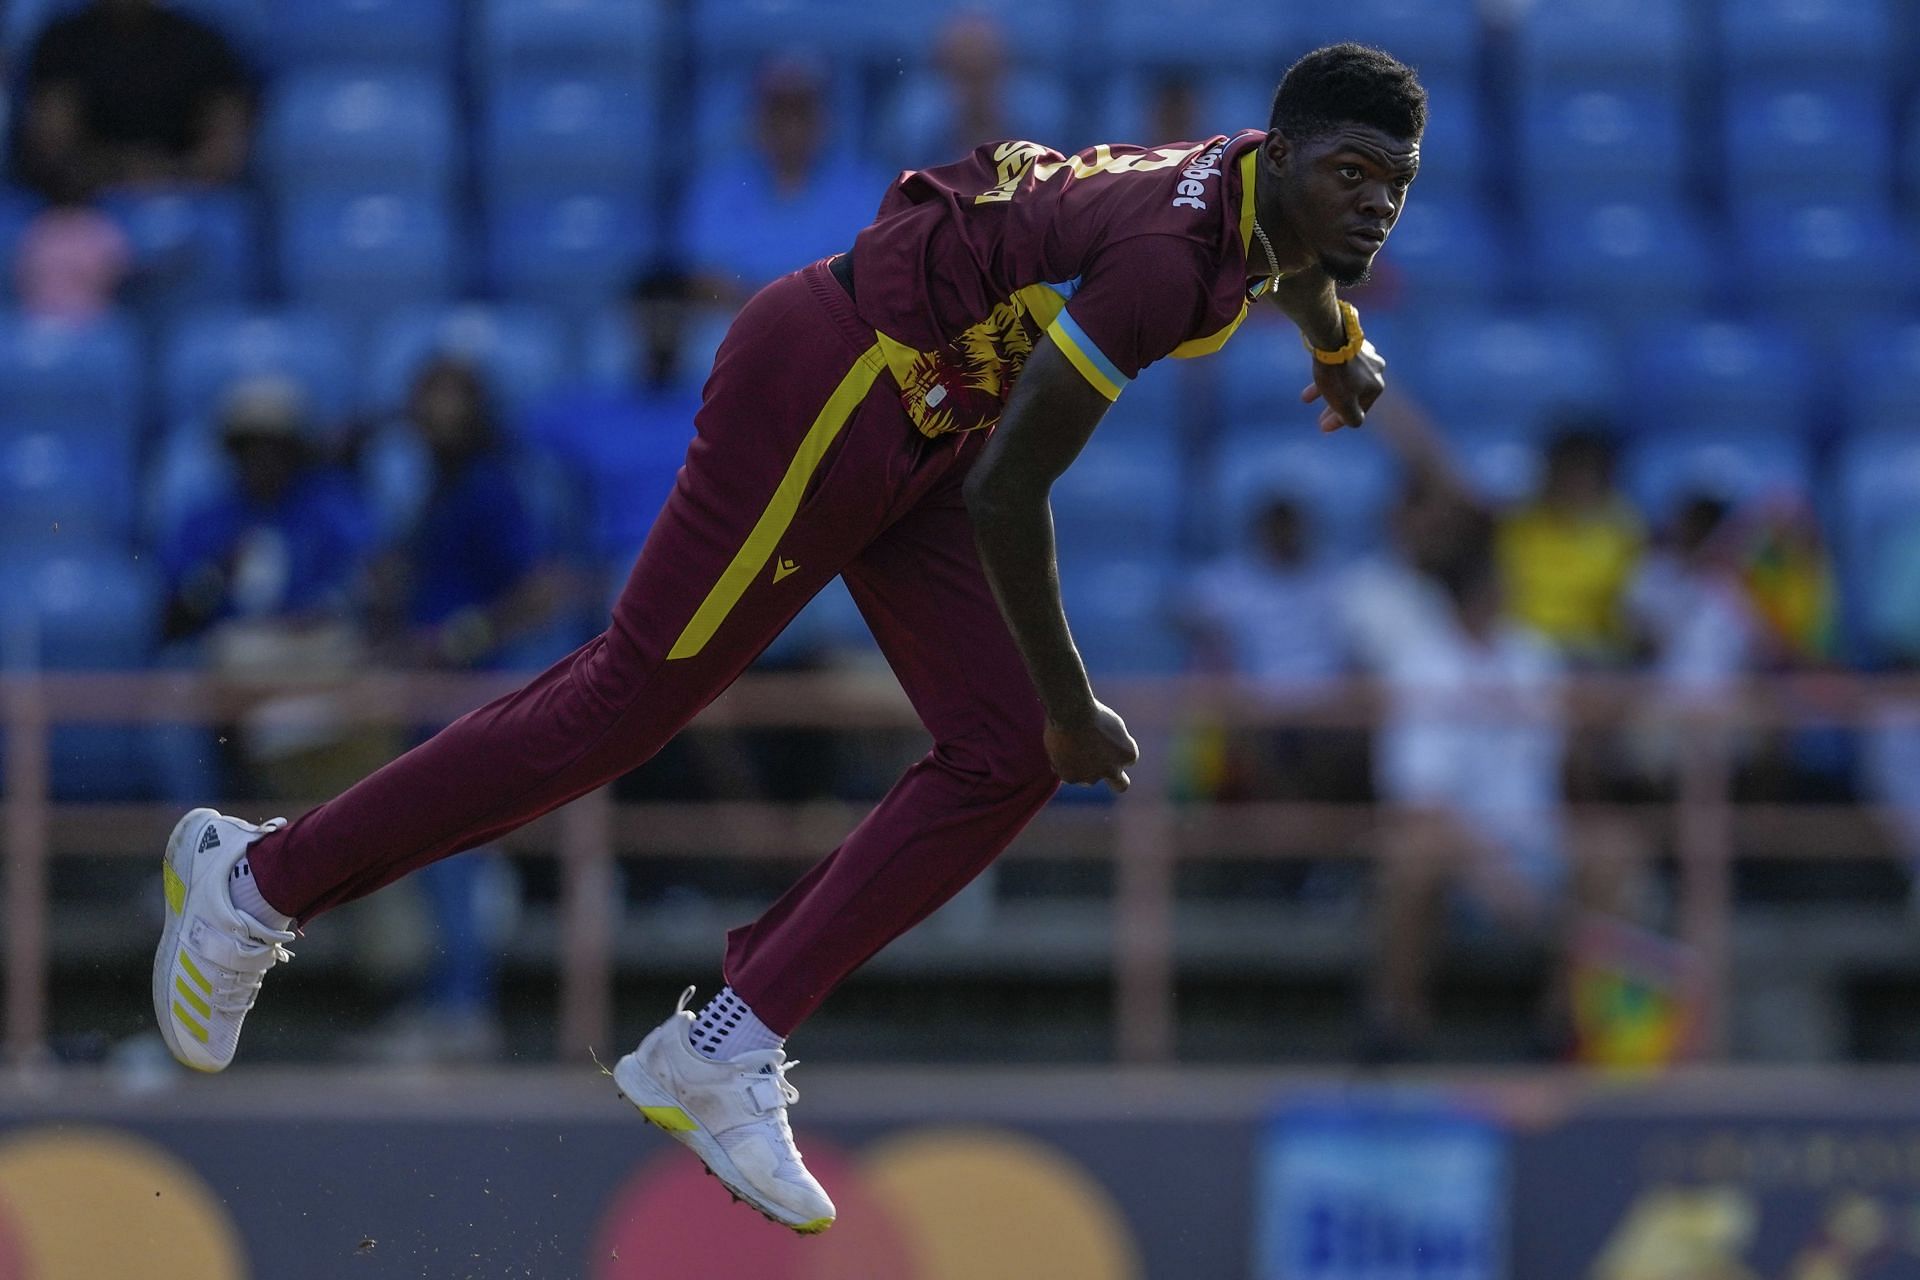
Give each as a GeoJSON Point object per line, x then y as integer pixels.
{"type": "Point", "coordinates": [1009, 764]}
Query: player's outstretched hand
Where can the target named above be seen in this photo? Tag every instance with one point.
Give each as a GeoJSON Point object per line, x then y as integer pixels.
{"type": "Point", "coordinates": [1098, 750]}
{"type": "Point", "coordinates": [1349, 389]}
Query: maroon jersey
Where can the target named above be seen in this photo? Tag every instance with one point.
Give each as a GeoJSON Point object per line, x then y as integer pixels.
{"type": "Point", "coordinates": [1121, 254]}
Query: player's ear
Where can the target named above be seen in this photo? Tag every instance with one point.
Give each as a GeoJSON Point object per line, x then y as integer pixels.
{"type": "Point", "coordinates": [1276, 149]}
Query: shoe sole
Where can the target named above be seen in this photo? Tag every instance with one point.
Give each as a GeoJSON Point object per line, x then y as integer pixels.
{"type": "Point", "coordinates": [659, 1109]}
{"type": "Point", "coordinates": [177, 868]}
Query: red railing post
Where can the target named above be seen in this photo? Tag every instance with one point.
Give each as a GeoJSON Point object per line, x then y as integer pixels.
{"type": "Point", "coordinates": [587, 914]}
{"type": "Point", "coordinates": [27, 840]}
{"type": "Point", "coordinates": [1143, 908]}
{"type": "Point", "coordinates": [1705, 825]}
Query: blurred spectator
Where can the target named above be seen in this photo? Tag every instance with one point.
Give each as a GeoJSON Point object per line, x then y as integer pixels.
{"type": "Point", "coordinates": [1691, 608]}
{"type": "Point", "coordinates": [1467, 763]}
{"type": "Point", "coordinates": [1890, 756]}
{"type": "Point", "coordinates": [129, 92]}
{"type": "Point", "coordinates": [967, 100]}
{"type": "Point", "coordinates": [70, 263]}
{"type": "Point", "coordinates": [785, 201]}
{"type": "Point", "coordinates": [466, 580]}
{"type": "Point", "coordinates": [1173, 108]}
{"type": "Point", "coordinates": [1272, 617]}
{"type": "Point", "coordinates": [1567, 556]}
{"type": "Point", "coordinates": [265, 580]}
{"type": "Point", "coordinates": [625, 442]}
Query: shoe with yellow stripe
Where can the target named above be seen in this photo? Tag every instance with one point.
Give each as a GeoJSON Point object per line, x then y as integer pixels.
{"type": "Point", "coordinates": [732, 1113]}
{"type": "Point", "coordinates": [212, 956]}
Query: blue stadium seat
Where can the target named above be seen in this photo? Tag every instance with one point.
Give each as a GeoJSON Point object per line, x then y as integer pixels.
{"type": "Point", "coordinates": [81, 380]}
{"type": "Point", "coordinates": [208, 352]}
{"type": "Point", "coordinates": [1516, 370]}
{"type": "Point", "coordinates": [1645, 39]}
{"type": "Point", "coordinates": [1884, 382]}
{"type": "Point", "coordinates": [1034, 29]}
{"type": "Point", "coordinates": [1602, 140]}
{"type": "Point", "coordinates": [1454, 151]}
{"type": "Point", "coordinates": [191, 249]}
{"type": "Point", "coordinates": [1846, 38]}
{"type": "Point", "coordinates": [573, 37]}
{"type": "Point", "coordinates": [1809, 140]}
{"type": "Point", "coordinates": [1876, 493]}
{"type": "Point", "coordinates": [84, 606]}
{"type": "Point", "coordinates": [1440, 37]}
{"type": "Point", "coordinates": [1444, 255]}
{"type": "Point", "coordinates": [1910, 157]}
{"type": "Point", "coordinates": [243, 22]}
{"type": "Point", "coordinates": [187, 470]}
{"type": "Point", "coordinates": [1225, 103]}
{"type": "Point", "coordinates": [607, 353]}
{"type": "Point", "coordinates": [1736, 464]}
{"type": "Point", "coordinates": [352, 130]}
{"type": "Point", "coordinates": [569, 129]}
{"type": "Point", "coordinates": [1213, 34]}
{"type": "Point", "coordinates": [1827, 263]}
{"type": "Point", "coordinates": [573, 250]}
{"type": "Point", "coordinates": [1503, 464]}
{"type": "Point", "coordinates": [522, 351]}
{"type": "Point", "coordinates": [56, 486]}
{"type": "Point", "coordinates": [364, 254]}
{"type": "Point", "coordinates": [1622, 259]}
{"type": "Point", "coordinates": [829, 624]}
{"type": "Point", "coordinates": [1721, 375]}
{"type": "Point", "coordinates": [914, 126]}
{"type": "Point", "coordinates": [418, 34]}
{"type": "Point", "coordinates": [1158, 409]}
{"type": "Point", "coordinates": [1344, 482]}
{"type": "Point", "coordinates": [1120, 500]}
{"type": "Point", "coordinates": [1120, 619]}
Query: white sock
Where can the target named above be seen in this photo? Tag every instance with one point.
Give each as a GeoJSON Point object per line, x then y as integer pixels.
{"type": "Point", "coordinates": [246, 896]}
{"type": "Point", "coordinates": [727, 1028]}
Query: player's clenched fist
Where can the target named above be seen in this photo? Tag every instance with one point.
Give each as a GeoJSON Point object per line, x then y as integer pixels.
{"type": "Point", "coordinates": [1097, 749]}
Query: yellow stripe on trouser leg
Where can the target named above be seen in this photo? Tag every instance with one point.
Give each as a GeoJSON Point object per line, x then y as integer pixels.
{"type": "Point", "coordinates": [773, 522]}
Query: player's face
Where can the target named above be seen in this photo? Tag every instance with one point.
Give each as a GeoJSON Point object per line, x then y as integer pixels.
{"type": "Point", "coordinates": [1344, 192]}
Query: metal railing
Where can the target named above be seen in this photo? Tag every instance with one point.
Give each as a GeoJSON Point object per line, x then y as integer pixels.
{"type": "Point", "coordinates": [1146, 832]}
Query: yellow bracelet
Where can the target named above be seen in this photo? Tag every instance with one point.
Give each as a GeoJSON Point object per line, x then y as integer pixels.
{"type": "Point", "coordinates": [1355, 338]}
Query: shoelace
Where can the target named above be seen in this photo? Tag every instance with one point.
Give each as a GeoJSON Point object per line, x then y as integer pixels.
{"type": "Point", "coordinates": [230, 985]}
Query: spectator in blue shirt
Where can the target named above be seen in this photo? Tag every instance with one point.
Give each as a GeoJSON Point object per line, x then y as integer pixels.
{"type": "Point", "coordinates": [467, 582]}
{"type": "Point", "coordinates": [265, 578]}
{"type": "Point", "coordinates": [624, 441]}
{"type": "Point", "coordinates": [789, 198]}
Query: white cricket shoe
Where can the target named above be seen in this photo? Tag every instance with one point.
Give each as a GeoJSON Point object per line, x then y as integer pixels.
{"type": "Point", "coordinates": [212, 955]}
{"type": "Point", "coordinates": [732, 1113]}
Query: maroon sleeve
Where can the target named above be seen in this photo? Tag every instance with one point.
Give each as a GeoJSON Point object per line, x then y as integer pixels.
{"type": "Point", "coordinates": [1139, 299]}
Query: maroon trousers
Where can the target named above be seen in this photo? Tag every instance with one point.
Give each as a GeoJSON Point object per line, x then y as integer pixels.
{"type": "Point", "coordinates": [804, 466]}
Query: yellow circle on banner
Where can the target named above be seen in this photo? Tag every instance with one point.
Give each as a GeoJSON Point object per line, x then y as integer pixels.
{"type": "Point", "coordinates": [980, 1202]}
{"type": "Point", "coordinates": [88, 1204]}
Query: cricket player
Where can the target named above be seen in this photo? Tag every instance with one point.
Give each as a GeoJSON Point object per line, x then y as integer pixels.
{"type": "Point", "coordinates": [894, 415]}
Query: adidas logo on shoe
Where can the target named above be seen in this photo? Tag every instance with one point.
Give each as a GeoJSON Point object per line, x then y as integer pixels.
{"type": "Point", "coordinates": [209, 839]}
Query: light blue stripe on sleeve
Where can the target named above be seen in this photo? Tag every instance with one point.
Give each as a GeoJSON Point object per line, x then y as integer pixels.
{"type": "Point", "coordinates": [1091, 353]}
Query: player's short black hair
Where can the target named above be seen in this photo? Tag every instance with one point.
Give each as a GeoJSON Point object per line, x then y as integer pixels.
{"type": "Point", "coordinates": [1349, 84]}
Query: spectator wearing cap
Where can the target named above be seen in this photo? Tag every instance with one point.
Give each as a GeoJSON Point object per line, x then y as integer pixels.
{"type": "Point", "coordinates": [265, 579]}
